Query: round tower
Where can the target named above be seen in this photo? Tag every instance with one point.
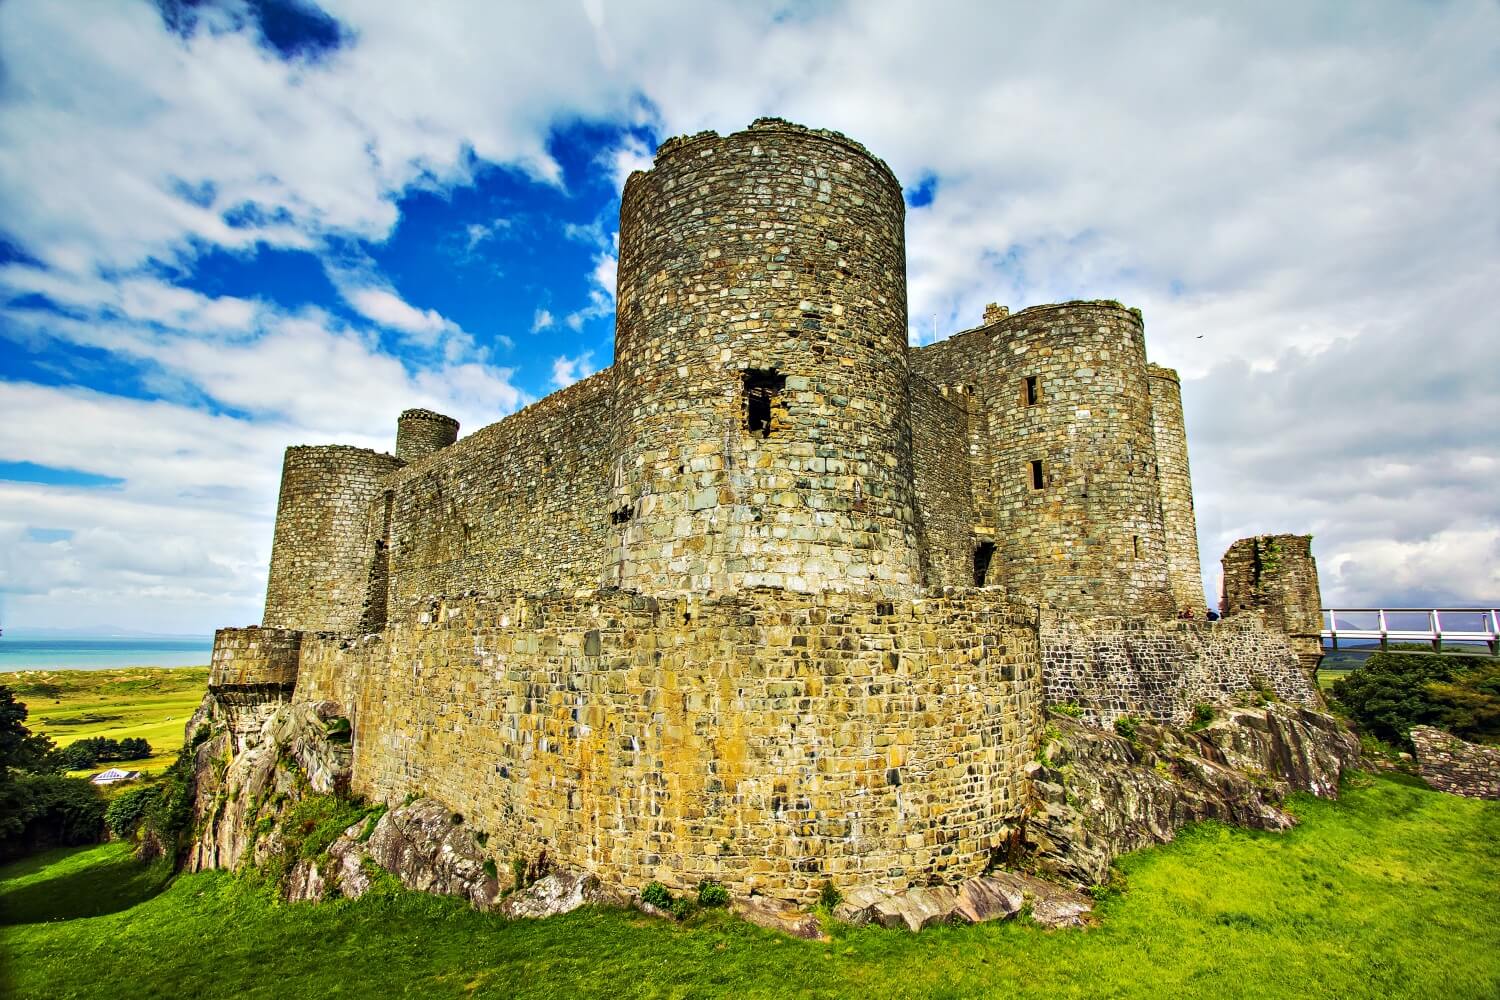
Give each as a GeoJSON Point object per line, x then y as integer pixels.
{"type": "Point", "coordinates": [1184, 573]}
{"type": "Point", "coordinates": [762, 428]}
{"type": "Point", "coordinates": [323, 549]}
{"type": "Point", "coordinates": [1079, 510]}
{"type": "Point", "coordinates": [419, 433]}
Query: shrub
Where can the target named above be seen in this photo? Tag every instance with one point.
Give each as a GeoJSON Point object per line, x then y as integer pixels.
{"type": "Point", "coordinates": [828, 895]}
{"type": "Point", "coordinates": [682, 907]}
{"type": "Point", "coordinates": [1071, 709]}
{"type": "Point", "coordinates": [1128, 726]}
{"type": "Point", "coordinates": [46, 810]}
{"type": "Point", "coordinates": [518, 872]}
{"type": "Point", "coordinates": [711, 893]}
{"type": "Point", "coordinates": [657, 895]}
{"type": "Point", "coordinates": [1392, 692]}
{"type": "Point", "coordinates": [128, 810]}
{"type": "Point", "coordinates": [1203, 714]}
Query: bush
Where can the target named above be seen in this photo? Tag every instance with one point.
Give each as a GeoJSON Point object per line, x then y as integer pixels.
{"type": "Point", "coordinates": [657, 895]}
{"type": "Point", "coordinates": [1128, 726]}
{"type": "Point", "coordinates": [128, 810]}
{"type": "Point", "coordinates": [1392, 692]}
{"type": "Point", "coordinates": [1203, 714]}
{"type": "Point", "coordinates": [682, 907]}
{"type": "Point", "coordinates": [49, 810]}
{"type": "Point", "coordinates": [711, 893]}
{"type": "Point", "coordinates": [829, 896]}
{"type": "Point", "coordinates": [87, 752]}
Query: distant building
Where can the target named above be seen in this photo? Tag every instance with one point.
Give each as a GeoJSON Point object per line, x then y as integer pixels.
{"type": "Point", "coordinates": [115, 775]}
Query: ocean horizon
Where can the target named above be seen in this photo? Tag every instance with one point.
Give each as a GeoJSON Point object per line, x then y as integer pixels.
{"type": "Point", "coordinates": [102, 653]}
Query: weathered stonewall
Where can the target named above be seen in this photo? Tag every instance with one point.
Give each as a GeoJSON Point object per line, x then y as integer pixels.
{"type": "Point", "coordinates": [1449, 764]}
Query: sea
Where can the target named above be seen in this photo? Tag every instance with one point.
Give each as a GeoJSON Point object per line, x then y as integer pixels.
{"type": "Point", "coordinates": [84, 653]}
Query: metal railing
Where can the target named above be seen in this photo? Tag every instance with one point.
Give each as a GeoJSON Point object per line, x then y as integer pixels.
{"type": "Point", "coordinates": [1463, 625]}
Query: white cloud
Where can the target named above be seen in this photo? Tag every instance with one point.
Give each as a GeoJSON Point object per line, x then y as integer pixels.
{"type": "Point", "coordinates": [566, 371]}
{"type": "Point", "coordinates": [388, 309]}
{"type": "Point", "coordinates": [542, 320]}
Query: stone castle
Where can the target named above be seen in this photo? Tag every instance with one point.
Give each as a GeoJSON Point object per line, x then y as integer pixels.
{"type": "Point", "coordinates": [776, 599]}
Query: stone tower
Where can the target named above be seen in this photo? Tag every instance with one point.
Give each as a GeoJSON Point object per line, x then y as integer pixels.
{"type": "Point", "coordinates": [1079, 517]}
{"type": "Point", "coordinates": [419, 433]}
{"type": "Point", "coordinates": [761, 416]}
{"type": "Point", "coordinates": [322, 553]}
{"type": "Point", "coordinates": [1183, 569]}
{"type": "Point", "coordinates": [1277, 575]}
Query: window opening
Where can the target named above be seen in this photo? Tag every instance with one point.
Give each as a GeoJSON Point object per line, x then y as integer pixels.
{"type": "Point", "coordinates": [763, 391]}
{"type": "Point", "coordinates": [1037, 478]}
{"type": "Point", "coordinates": [1135, 545]}
{"type": "Point", "coordinates": [983, 553]}
{"type": "Point", "coordinates": [1032, 393]}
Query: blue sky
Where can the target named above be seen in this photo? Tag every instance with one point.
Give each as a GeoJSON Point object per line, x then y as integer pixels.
{"type": "Point", "coordinates": [226, 227]}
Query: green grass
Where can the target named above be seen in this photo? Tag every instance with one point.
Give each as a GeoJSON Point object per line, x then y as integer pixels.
{"type": "Point", "coordinates": [1388, 893]}
{"type": "Point", "coordinates": [153, 703]}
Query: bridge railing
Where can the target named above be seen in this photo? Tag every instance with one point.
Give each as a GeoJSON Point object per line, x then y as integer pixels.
{"type": "Point", "coordinates": [1430, 625]}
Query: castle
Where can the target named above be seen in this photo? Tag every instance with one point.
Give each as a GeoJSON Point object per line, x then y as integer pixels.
{"type": "Point", "coordinates": [775, 599]}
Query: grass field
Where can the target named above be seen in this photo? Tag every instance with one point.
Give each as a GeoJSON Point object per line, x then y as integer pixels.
{"type": "Point", "coordinates": [149, 702]}
{"type": "Point", "coordinates": [1388, 893]}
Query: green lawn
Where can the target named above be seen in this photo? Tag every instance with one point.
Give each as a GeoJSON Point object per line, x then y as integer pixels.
{"type": "Point", "coordinates": [1388, 893]}
{"type": "Point", "coordinates": [150, 702]}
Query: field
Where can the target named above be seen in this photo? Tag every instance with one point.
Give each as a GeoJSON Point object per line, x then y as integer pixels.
{"type": "Point", "coordinates": [1387, 893]}
{"type": "Point", "coordinates": [153, 703]}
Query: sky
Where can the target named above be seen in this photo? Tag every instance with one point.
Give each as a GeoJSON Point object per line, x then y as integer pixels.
{"type": "Point", "coordinates": [227, 227]}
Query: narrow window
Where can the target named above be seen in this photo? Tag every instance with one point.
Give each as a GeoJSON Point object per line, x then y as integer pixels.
{"type": "Point", "coordinates": [983, 553]}
{"type": "Point", "coordinates": [763, 391]}
{"type": "Point", "coordinates": [1031, 394]}
{"type": "Point", "coordinates": [1037, 480]}
{"type": "Point", "coordinates": [1135, 545]}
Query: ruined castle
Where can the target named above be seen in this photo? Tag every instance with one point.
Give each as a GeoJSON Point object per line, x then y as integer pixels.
{"type": "Point", "coordinates": [775, 599]}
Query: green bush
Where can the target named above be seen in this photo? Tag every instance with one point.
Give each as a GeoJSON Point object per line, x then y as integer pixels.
{"type": "Point", "coordinates": [1392, 692]}
{"type": "Point", "coordinates": [829, 896]}
{"type": "Point", "coordinates": [1203, 714]}
{"type": "Point", "coordinates": [657, 895]}
{"type": "Point", "coordinates": [1128, 726]}
{"type": "Point", "coordinates": [711, 893]}
{"type": "Point", "coordinates": [126, 813]}
{"type": "Point", "coordinates": [1071, 709]}
{"type": "Point", "coordinates": [490, 871]}
{"type": "Point", "coordinates": [682, 907]}
{"type": "Point", "coordinates": [87, 752]}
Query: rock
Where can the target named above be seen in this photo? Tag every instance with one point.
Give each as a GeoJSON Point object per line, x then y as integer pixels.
{"type": "Point", "coordinates": [858, 905]}
{"type": "Point", "coordinates": [778, 916]}
{"type": "Point", "coordinates": [422, 845]}
{"type": "Point", "coordinates": [560, 892]}
{"type": "Point", "coordinates": [917, 908]}
{"type": "Point", "coordinates": [1096, 795]}
{"type": "Point", "coordinates": [1052, 905]}
{"type": "Point", "coordinates": [986, 898]}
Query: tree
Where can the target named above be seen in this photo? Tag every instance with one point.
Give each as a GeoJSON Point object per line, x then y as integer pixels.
{"type": "Point", "coordinates": [1394, 691]}
{"type": "Point", "coordinates": [20, 748]}
{"type": "Point", "coordinates": [37, 808]}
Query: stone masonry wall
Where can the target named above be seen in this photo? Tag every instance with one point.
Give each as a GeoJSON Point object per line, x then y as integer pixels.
{"type": "Point", "coordinates": [519, 505]}
{"type": "Point", "coordinates": [320, 555]}
{"type": "Point", "coordinates": [1277, 575]}
{"type": "Point", "coordinates": [768, 740]}
{"type": "Point", "coordinates": [944, 494]}
{"type": "Point", "coordinates": [1184, 571]}
{"type": "Point", "coordinates": [1091, 538]}
{"type": "Point", "coordinates": [763, 269]}
{"type": "Point", "coordinates": [1449, 764]}
{"type": "Point", "coordinates": [1159, 669]}
{"type": "Point", "coordinates": [252, 671]}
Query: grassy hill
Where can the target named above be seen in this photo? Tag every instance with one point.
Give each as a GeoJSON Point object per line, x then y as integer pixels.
{"type": "Point", "coordinates": [153, 703]}
{"type": "Point", "coordinates": [1387, 893]}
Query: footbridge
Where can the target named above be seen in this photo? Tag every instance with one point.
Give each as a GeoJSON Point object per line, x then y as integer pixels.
{"type": "Point", "coordinates": [1435, 626]}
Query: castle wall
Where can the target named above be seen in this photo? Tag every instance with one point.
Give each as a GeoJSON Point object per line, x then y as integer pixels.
{"type": "Point", "coordinates": [1091, 539]}
{"type": "Point", "coordinates": [1277, 575]}
{"type": "Point", "coordinates": [252, 671]}
{"type": "Point", "coordinates": [519, 505]}
{"type": "Point", "coordinates": [762, 269]}
{"type": "Point", "coordinates": [1159, 669]}
{"type": "Point", "coordinates": [1184, 571]}
{"type": "Point", "coordinates": [944, 493]}
{"type": "Point", "coordinates": [320, 555]}
{"type": "Point", "coordinates": [768, 740]}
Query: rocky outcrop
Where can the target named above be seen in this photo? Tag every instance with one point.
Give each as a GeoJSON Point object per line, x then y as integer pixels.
{"type": "Point", "coordinates": [1449, 764]}
{"type": "Point", "coordinates": [241, 798]}
{"type": "Point", "coordinates": [1100, 794]}
{"type": "Point", "coordinates": [996, 896]}
{"type": "Point", "coordinates": [778, 915]}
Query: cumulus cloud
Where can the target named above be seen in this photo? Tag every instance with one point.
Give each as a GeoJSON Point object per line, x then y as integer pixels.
{"type": "Point", "coordinates": [566, 371]}
{"type": "Point", "coordinates": [542, 320]}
